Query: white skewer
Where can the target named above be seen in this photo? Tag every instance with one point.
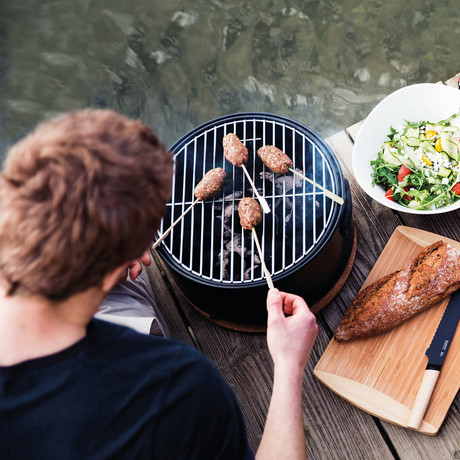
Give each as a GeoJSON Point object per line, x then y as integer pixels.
{"type": "Point", "coordinates": [261, 199]}
{"type": "Point", "coordinates": [166, 233]}
{"type": "Point", "coordinates": [267, 273]}
{"type": "Point", "coordinates": [328, 193]}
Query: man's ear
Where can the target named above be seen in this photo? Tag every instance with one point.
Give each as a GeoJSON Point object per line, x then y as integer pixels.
{"type": "Point", "coordinates": [112, 278]}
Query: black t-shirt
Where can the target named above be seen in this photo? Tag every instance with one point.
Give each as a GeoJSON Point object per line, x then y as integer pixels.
{"type": "Point", "coordinates": [117, 394]}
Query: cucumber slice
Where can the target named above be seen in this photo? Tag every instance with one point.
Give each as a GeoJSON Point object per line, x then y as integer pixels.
{"type": "Point", "coordinates": [450, 129]}
{"type": "Point", "coordinates": [413, 141]}
{"type": "Point", "coordinates": [444, 172]}
{"type": "Point", "coordinates": [428, 147]}
{"type": "Point", "coordinates": [410, 152]}
{"type": "Point", "coordinates": [414, 204]}
{"type": "Point", "coordinates": [449, 147]}
{"type": "Point", "coordinates": [412, 132]}
{"type": "Point", "coordinates": [389, 157]}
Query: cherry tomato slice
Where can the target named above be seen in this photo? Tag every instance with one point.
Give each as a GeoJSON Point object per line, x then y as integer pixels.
{"type": "Point", "coordinates": [403, 172]}
{"type": "Point", "coordinates": [456, 188]}
{"type": "Point", "coordinates": [389, 194]}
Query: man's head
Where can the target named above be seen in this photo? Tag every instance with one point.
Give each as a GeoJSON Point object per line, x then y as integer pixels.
{"type": "Point", "coordinates": [79, 196]}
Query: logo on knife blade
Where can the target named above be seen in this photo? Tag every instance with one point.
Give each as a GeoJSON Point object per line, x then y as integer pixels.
{"type": "Point", "coordinates": [446, 344]}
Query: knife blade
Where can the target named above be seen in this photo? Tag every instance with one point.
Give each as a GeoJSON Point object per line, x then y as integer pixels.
{"type": "Point", "coordinates": [436, 353]}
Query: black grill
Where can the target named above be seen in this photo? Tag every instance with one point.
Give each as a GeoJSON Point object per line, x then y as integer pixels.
{"type": "Point", "coordinates": [209, 245]}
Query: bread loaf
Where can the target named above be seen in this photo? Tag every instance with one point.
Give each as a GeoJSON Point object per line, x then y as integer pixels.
{"type": "Point", "coordinates": [424, 281]}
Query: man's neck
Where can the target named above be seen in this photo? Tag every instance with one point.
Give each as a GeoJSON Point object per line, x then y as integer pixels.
{"type": "Point", "coordinates": [32, 326]}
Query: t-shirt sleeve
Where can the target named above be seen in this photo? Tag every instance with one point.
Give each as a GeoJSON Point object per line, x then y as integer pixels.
{"type": "Point", "coordinates": [200, 416]}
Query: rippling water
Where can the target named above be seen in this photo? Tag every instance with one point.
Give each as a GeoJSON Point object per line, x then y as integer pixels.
{"type": "Point", "coordinates": [177, 63]}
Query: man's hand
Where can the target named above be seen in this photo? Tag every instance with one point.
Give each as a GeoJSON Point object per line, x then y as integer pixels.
{"type": "Point", "coordinates": [134, 267]}
{"type": "Point", "coordinates": [291, 329]}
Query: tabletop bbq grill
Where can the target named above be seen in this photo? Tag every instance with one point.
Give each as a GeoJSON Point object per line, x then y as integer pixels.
{"type": "Point", "coordinates": [307, 239]}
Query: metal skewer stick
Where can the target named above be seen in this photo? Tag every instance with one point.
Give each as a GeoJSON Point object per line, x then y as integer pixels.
{"type": "Point", "coordinates": [261, 199]}
{"type": "Point", "coordinates": [327, 192]}
{"type": "Point", "coordinates": [166, 233]}
{"type": "Point", "coordinates": [267, 273]}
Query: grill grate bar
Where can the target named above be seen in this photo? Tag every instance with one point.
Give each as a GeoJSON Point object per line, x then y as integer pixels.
{"type": "Point", "coordinates": [294, 233]}
{"type": "Point", "coordinates": [211, 252]}
{"type": "Point", "coordinates": [283, 140]}
{"type": "Point", "coordinates": [193, 209]}
{"type": "Point", "coordinates": [314, 197]}
{"type": "Point", "coordinates": [203, 171]}
{"type": "Point", "coordinates": [183, 201]}
{"type": "Point", "coordinates": [252, 251]}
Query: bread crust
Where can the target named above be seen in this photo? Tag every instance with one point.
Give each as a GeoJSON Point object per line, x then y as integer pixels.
{"type": "Point", "coordinates": [424, 281]}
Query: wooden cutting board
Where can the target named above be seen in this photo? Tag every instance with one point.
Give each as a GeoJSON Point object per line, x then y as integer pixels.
{"type": "Point", "coordinates": [381, 375]}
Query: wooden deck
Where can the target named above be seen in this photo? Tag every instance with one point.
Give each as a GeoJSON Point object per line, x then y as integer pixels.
{"type": "Point", "coordinates": [335, 429]}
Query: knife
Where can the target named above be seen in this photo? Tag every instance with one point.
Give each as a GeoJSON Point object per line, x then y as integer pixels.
{"type": "Point", "coordinates": [436, 353]}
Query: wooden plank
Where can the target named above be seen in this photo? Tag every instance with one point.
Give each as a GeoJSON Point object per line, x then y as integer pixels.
{"type": "Point", "coordinates": [453, 81]}
{"type": "Point", "coordinates": [166, 301]}
{"type": "Point", "coordinates": [354, 129]}
{"type": "Point", "coordinates": [413, 445]}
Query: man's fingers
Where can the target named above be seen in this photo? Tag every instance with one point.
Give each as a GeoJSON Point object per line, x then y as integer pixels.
{"type": "Point", "coordinates": [293, 304]}
{"type": "Point", "coordinates": [135, 267]}
{"type": "Point", "coordinates": [145, 258]}
{"type": "Point", "coordinates": [274, 303]}
{"type": "Point", "coordinates": [135, 270]}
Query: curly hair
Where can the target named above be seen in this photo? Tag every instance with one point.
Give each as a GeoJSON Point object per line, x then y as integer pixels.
{"type": "Point", "coordinates": [81, 195]}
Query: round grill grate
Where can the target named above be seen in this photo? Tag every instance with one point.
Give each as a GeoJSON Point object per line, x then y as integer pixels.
{"type": "Point", "coordinates": [209, 242]}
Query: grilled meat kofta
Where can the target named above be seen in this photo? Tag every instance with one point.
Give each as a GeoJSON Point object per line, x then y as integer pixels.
{"type": "Point", "coordinates": [234, 150]}
{"type": "Point", "coordinates": [250, 213]}
{"type": "Point", "coordinates": [275, 159]}
{"type": "Point", "coordinates": [212, 183]}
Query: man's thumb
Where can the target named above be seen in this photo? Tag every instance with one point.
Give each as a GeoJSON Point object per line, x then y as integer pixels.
{"type": "Point", "coordinates": [274, 303]}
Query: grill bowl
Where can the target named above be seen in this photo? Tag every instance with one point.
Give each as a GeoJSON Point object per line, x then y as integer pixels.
{"type": "Point", "coordinates": [307, 239]}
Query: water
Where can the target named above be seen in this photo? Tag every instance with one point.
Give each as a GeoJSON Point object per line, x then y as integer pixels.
{"type": "Point", "coordinates": [178, 63]}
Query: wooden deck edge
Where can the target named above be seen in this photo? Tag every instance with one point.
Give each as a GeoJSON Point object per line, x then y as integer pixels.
{"type": "Point", "coordinates": [453, 81]}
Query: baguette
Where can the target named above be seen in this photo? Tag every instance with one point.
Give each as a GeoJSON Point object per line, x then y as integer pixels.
{"type": "Point", "coordinates": [424, 281]}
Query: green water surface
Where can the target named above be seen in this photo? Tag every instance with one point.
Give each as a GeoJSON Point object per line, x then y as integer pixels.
{"type": "Point", "coordinates": [177, 63]}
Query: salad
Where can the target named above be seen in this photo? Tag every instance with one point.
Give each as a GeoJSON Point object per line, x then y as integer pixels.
{"type": "Point", "coordinates": [419, 166]}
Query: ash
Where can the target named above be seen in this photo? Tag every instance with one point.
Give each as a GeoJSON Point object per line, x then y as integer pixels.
{"type": "Point", "coordinates": [233, 248]}
{"type": "Point", "coordinates": [278, 182]}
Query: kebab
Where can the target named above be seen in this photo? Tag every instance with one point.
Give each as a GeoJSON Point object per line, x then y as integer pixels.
{"type": "Point", "coordinates": [279, 162]}
{"type": "Point", "coordinates": [237, 154]}
{"type": "Point", "coordinates": [251, 216]}
{"type": "Point", "coordinates": [211, 184]}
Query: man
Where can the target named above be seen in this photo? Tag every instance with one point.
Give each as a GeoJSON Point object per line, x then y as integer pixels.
{"type": "Point", "coordinates": [80, 201]}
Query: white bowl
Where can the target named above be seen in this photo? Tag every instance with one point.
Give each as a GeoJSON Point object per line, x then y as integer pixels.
{"type": "Point", "coordinates": [421, 102]}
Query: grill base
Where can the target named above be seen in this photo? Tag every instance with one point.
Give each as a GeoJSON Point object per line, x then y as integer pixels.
{"type": "Point", "coordinates": [261, 326]}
